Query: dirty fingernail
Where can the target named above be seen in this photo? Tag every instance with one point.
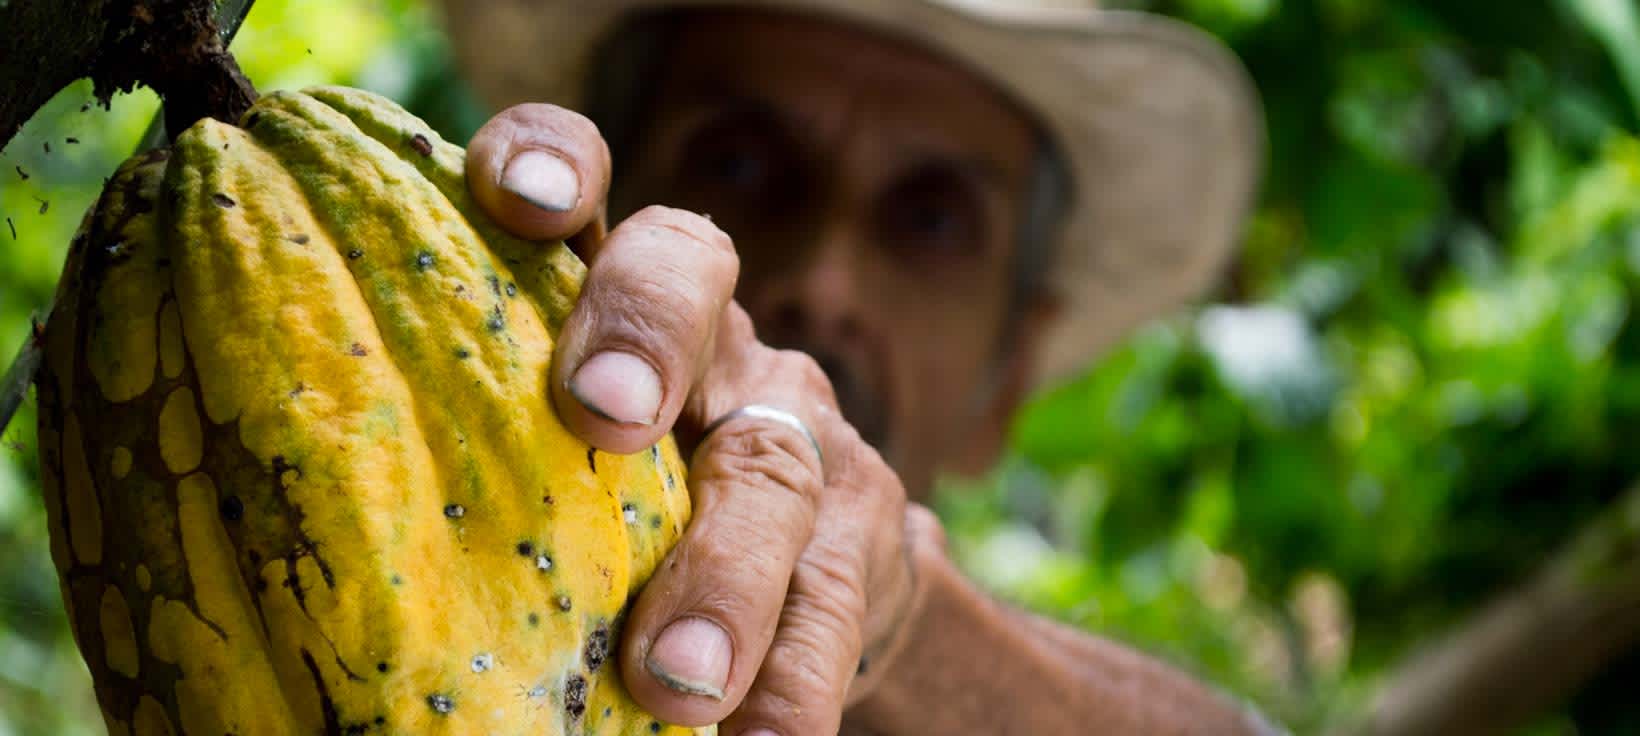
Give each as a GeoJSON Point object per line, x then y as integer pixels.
{"type": "Point", "coordinates": [759, 732]}
{"type": "Point", "coordinates": [692, 656]}
{"type": "Point", "coordinates": [617, 386]}
{"type": "Point", "coordinates": [544, 180]}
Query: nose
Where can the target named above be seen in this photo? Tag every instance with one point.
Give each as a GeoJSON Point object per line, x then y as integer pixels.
{"type": "Point", "coordinates": [813, 298]}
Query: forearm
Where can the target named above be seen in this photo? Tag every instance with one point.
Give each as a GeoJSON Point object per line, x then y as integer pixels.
{"type": "Point", "coordinates": [973, 666]}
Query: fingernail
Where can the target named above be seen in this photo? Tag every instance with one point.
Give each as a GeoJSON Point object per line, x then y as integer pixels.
{"type": "Point", "coordinates": [617, 386]}
{"type": "Point", "coordinates": [759, 732]}
{"type": "Point", "coordinates": [543, 180]}
{"type": "Point", "coordinates": [692, 657]}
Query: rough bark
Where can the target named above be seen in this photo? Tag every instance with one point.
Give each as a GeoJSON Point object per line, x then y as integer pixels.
{"type": "Point", "coordinates": [1528, 651]}
{"type": "Point", "coordinates": [46, 44]}
{"type": "Point", "coordinates": [169, 45]}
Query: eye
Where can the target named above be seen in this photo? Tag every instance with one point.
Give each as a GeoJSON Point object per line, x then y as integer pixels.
{"type": "Point", "coordinates": [935, 210]}
{"type": "Point", "coordinates": [739, 166]}
{"type": "Point", "coordinates": [733, 156]}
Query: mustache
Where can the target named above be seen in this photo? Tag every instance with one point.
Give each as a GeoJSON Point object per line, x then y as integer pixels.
{"type": "Point", "coordinates": [857, 397]}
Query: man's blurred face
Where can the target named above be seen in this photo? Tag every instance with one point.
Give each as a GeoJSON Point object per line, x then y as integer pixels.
{"type": "Point", "coordinates": [874, 193]}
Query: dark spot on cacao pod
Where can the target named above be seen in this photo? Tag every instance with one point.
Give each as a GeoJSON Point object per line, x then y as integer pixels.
{"type": "Point", "coordinates": [381, 666]}
{"type": "Point", "coordinates": [597, 648]}
{"type": "Point", "coordinates": [497, 321]}
{"type": "Point", "coordinates": [281, 466]}
{"type": "Point", "coordinates": [547, 499]}
{"type": "Point", "coordinates": [607, 711]}
{"type": "Point", "coordinates": [424, 260]}
{"type": "Point", "coordinates": [512, 289]}
{"type": "Point", "coordinates": [254, 556]}
{"type": "Point", "coordinates": [299, 239]}
{"type": "Point", "coordinates": [381, 721]}
{"type": "Point", "coordinates": [575, 696]}
{"type": "Point", "coordinates": [654, 727]}
{"type": "Point", "coordinates": [534, 618]}
{"type": "Point", "coordinates": [223, 200]}
{"type": "Point", "coordinates": [592, 459]}
{"type": "Point", "coordinates": [463, 353]}
{"type": "Point", "coordinates": [355, 254]}
{"type": "Point", "coordinates": [440, 703]}
{"type": "Point", "coordinates": [655, 521]}
{"type": "Point", "coordinates": [396, 580]}
{"type": "Point", "coordinates": [564, 603]}
{"type": "Point", "coordinates": [526, 549]}
{"type": "Point", "coordinates": [232, 508]}
{"type": "Point", "coordinates": [455, 511]}
{"type": "Point", "coordinates": [356, 350]}
{"type": "Point", "coordinates": [421, 144]}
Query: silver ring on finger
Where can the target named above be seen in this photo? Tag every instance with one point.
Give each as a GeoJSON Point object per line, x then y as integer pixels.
{"type": "Point", "coordinates": [766, 412]}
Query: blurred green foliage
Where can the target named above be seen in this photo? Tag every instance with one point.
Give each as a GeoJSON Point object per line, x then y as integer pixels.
{"type": "Point", "coordinates": [1419, 380]}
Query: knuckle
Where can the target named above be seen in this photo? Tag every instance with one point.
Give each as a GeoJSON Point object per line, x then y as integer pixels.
{"type": "Point", "coordinates": [573, 122]}
{"type": "Point", "coordinates": [694, 226]}
{"type": "Point", "coordinates": [803, 671]}
{"type": "Point", "coordinates": [807, 671]}
{"type": "Point", "coordinates": [736, 330]}
{"type": "Point", "coordinates": [759, 456]}
{"type": "Point", "coordinates": [860, 470]}
{"type": "Point", "coordinates": [802, 365]}
{"type": "Point", "coordinates": [830, 584]}
{"type": "Point", "coordinates": [788, 701]}
{"type": "Point", "coordinates": [923, 528]}
{"type": "Point", "coordinates": [653, 309]}
{"type": "Point", "coordinates": [550, 118]}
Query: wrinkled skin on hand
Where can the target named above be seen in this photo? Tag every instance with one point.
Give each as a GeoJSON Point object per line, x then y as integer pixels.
{"type": "Point", "coordinates": [793, 569]}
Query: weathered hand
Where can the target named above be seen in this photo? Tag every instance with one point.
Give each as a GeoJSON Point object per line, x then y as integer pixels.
{"type": "Point", "coordinates": [792, 569]}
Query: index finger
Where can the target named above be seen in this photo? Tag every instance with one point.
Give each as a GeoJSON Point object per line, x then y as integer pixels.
{"type": "Point", "coordinates": [540, 171]}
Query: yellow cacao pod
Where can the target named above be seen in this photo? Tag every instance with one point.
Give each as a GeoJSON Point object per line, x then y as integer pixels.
{"type": "Point", "coordinates": [301, 469]}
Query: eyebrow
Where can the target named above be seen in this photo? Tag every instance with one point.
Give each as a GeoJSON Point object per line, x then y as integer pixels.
{"type": "Point", "coordinates": [986, 170]}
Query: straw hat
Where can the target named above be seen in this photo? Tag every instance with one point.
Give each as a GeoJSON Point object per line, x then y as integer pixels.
{"type": "Point", "coordinates": [1158, 122]}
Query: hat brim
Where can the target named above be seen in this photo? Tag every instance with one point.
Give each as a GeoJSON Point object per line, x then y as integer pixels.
{"type": "Point", "coordinates": [1158, 122]}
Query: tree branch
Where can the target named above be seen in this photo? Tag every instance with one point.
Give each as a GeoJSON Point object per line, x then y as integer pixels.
{"type": "Point", "coordinates": [1529, 650]}
{"type": "Point", "coordinates": [169, 45]}
{"type": "Point", "coordinates": [46, 45]}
